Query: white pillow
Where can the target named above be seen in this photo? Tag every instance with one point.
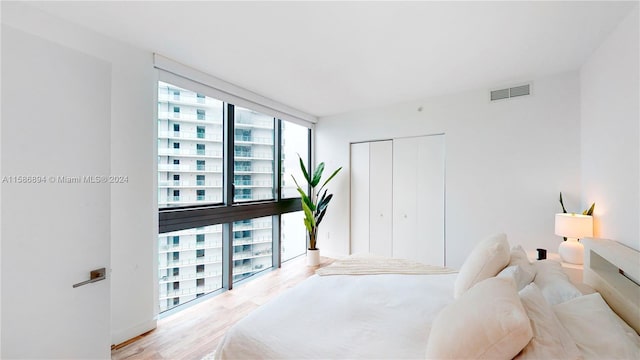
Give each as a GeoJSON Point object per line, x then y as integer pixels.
{"type": "Point", "coordinates": [597, 330]}
{"type": "Point", "coordinates": [486, 259]}
{"type": "Point", "coordinates": [519, 268]}
{"type": "Point", "coordinates": [519, 257]}
{"type": "Point", "coordinates": [550, 339]}
{"type": "Point", "coordinates": [553, 282]}
{"type": "Point", "coordinates": [519, 276]}
{"type": "Point", "coordinates": [486, 322]}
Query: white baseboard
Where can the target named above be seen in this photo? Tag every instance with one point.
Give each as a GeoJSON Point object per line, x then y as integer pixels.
{"type": "Point", "coordinates": [120, 336]}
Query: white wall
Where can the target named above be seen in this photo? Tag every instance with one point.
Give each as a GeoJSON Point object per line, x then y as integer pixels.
{"type": "Point", "coordinates": [54, 233]}
{"type": "Point", "coordinates": [610, 113]}
{"type": "Point", "coordinates": [1, 174]}
{"type": "Point", "coordinates": [506, 161]}
{"type": "Point", "coordinates": [133, 205]}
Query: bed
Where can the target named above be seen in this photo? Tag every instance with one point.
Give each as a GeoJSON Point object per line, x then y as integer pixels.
{"type": "Point", "coordinates": [498, 305]}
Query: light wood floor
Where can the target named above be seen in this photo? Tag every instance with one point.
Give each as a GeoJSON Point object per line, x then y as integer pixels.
{"type": "Point", "coordinates": [197, 330]}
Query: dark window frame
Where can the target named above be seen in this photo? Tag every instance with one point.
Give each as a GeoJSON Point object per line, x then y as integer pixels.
{"type": "Point", "coordinates": [229, 211]}
{"type": "Point", "coordinates": [189, 216]}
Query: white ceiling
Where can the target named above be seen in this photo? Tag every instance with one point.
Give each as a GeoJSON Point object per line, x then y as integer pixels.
{"type": "Point", "coordinates": [328, 57]}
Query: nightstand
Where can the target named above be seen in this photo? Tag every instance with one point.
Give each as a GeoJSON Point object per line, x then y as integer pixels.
{"type": "Point", "coordinates": [573, 271]}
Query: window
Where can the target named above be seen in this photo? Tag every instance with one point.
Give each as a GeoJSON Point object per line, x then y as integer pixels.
{"type": "Point", "coordinates": [293, 235]}
{"type": "Point", "coordinates": [176, 285]}
{"type": "Point", "coordinates": [242, 166]}
{"type": "Point", "coordinates": [176, 240]}
{"type": "Point", "coordinates": [242, 234]}
{"type": "Point", "coordinates": [242, 180]}
{"type": "Point", "coordinates": [191, 262]}
{"type": "Point", "coordinates": [252, 246]}
{"type": "Point", "coordinates": [243, 194]}
{"type": "Point", "coordinates": [208, 149]}
{"type": "Point", "coordinates": [243, 151]}
{"type": "Point", "coordinates": [254, 152]}
{"type": "Point", "coordinates": [231, 163]}
{"type": "Point", "coordinates": [243, 135]}
{"type": "Point", "coordinates": [176, 94]}
{"type": "Point", "coordinates": [294, 142]}
{"type": "Point", "coordinates": [200, 165]}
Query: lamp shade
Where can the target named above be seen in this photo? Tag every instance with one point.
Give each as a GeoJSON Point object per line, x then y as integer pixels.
{"type": "Point", "coordinates": [574, 226]}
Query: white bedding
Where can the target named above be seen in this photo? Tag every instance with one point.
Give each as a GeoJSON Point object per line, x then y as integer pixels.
{"type": "Point", "coordinates": [392, 316]}
{"type": "Point", "coordinates": [373, 316]}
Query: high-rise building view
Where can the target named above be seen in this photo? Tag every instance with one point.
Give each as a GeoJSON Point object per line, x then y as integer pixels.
{"type": "Point", "coordinates": [190, 172]}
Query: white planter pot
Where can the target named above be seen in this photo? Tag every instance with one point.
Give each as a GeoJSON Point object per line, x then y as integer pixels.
{"type": "Point", "coordinates": [313, 257]}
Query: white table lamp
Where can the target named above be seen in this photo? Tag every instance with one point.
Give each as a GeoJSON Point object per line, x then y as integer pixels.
{"type": "Point", "coordinates": [573, 227]}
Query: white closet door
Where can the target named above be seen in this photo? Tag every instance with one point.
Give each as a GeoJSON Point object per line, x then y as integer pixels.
{"type": "Point", "coordinates": [418, 199]}
{"type": "Point", "coordinates": [360, 198]}
{"type": "Point", "coordinates": [380, 197]}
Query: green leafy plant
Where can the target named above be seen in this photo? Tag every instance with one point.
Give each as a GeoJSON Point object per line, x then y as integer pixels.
{"type": "Point", "coordinates": [314, 206]}
{"type": "Point", "coordinates": [588, 212]}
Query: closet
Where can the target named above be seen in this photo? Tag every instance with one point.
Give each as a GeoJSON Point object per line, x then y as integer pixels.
{"type": "Point", "coordinates": [397, 198]}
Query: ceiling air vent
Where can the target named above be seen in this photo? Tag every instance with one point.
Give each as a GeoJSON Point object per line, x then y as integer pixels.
{"type": "Point", "coordinates": [500, 94]}
{"type": "Point", "coordinates": [510, 92]}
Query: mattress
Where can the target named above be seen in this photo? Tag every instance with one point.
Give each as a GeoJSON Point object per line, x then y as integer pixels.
{"type": "Point", "coordinates": [384, 316]}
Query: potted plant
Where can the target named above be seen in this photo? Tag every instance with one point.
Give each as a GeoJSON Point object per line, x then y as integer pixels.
{"type": "Point", "coordinates": [314, 206]}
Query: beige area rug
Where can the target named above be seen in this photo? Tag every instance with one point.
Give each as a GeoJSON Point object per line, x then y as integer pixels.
{"type": "Point", "coordinates": [368, 265]}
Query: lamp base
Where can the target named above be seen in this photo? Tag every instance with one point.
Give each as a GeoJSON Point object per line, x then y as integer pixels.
{"type": "Point", "coordinates": [571, 251]}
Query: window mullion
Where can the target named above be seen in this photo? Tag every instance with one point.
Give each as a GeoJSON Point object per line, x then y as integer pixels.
{"type": "Point", "coordinates": [277, 164]}
{"type": "Point", "coordinates": [310, 165]}
{"type": "Point", "coordinates": [228, 142]}
{"type": "Point", "coordinates": [275, 244]}
{"type": "Point", "coordinates": [228, 186]}
{"type": "Point", "coordinates": [227, 256]}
